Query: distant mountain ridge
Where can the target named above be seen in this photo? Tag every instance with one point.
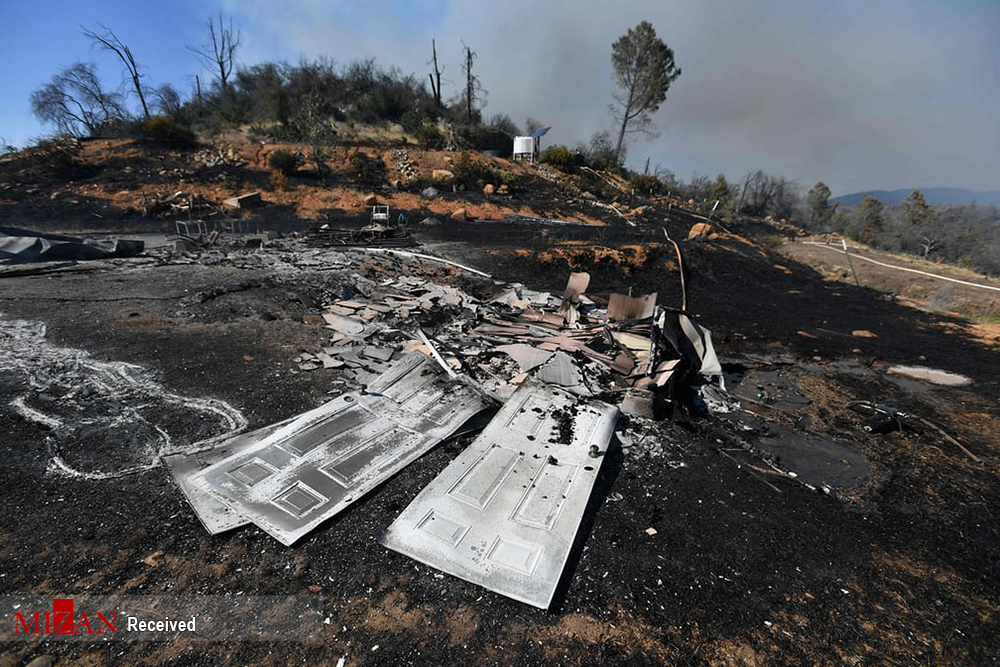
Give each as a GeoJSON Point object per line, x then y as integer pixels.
{"type": "Point", "coordinates": [933, 197]}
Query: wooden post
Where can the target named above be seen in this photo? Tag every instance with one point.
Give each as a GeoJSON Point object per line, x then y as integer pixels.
{"type": "Point", "coordinates": [850, 263]}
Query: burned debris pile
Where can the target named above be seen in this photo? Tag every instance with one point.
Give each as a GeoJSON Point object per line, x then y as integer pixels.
{"type": "Point", "coordinates": [375, 235]}
{"type": "Point", "coordinates": [647, 359]}
{"type": "Point", "coordinates": [178, 203]}
{"type": "Point", "coordinates": [380, 232]}
{"type": "Point", "coordinates": [546, 375]}
{"type": "Point", "coordinates": [22, 245]}
{"type": "Point", "coordinates": [196, 207]}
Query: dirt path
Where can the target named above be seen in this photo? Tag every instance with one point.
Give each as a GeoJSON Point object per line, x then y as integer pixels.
{"type": "Point", "coordinates": [925, 291]}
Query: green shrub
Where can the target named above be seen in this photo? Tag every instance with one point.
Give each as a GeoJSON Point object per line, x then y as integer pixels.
{"type": "Point", "coordinates": [285, 162]}
{"type": "Point", "coordinates": [646, 184]}
{"type": "Point", "coordinates": [429, 136]}
{"type": "Point", "coordinates": [274, 132]}
{"type": "Point", "coordinates": [771, 242]}
{"type": "Point", "coordinates": [165, 130]}
{"type": "Point", "coordinates": [559, 157]}
{"type": "Point", "coordinates": [412, 122]}
{"type": "Point", "coordinates": [474, 174]}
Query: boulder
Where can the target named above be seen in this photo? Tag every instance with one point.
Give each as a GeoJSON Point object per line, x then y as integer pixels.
{"type": "Point", "coordinates": [699, 230]}
{"type": "Point", "coordinates": [396, 184]}
{"type": "Point", "coordinates": [429, 193]}
{"type": "Point", "coordinates": [489, 189]}
{"type": "Point", "coordinates": [460, 215]}
{"type": "Point", "coordinates": [442, 176]}
{"type": "Point", "coordinates": [502, 190]}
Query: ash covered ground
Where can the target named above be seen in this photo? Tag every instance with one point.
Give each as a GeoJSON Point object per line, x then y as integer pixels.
{"type": "Point", "coordinates": [747, 565]}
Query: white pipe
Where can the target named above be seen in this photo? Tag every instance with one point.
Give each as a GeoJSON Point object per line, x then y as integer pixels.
{"type": "Point", "coordinates": [405, 253]}
{"type": "Point", "coordinates": [902, 268]}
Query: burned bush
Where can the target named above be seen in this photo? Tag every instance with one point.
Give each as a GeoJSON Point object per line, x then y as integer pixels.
{"type": "Point", "coordinates": [368, 169]}
{"type": "Point", "coordinates": [285, 162]}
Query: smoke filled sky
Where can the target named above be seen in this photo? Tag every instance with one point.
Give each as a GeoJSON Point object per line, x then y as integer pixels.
{"type": "Point", "coordinates": [859, 94]}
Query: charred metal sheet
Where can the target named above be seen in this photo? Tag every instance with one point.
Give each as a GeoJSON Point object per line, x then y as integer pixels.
{"type": "Point", "coordinates": [23, 245]}
{"type": "Point", "coordinates": [624, 307]}
{"type": "Point", "coordinates": [526, 356]}
{"type": "Point", "coordinates": [772, 386]}
{"type": "Point", "coordinates": [701, 340]}
{"type": "Point", "coordinates": [214, 514]}
{"type": "Point", "coordinates": [344, 325]}
{"type": "Point", "coordinates": [327, 458]}
{"type": "Point", "coordinates": [692, 341]}
{"type": "Point", "coordinates": [504, 514]}
{"type": "Point", "coordinates": [561, 370]}
{"type": "Point", "coordinates": [638, 403]}
{"type": "Point", "coordinates": [815, 460]}
{"type": "Point", "coordinates": [575, 287]}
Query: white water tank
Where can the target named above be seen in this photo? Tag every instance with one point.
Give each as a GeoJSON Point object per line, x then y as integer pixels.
{"type": "Point", "coordinates": [524, 145]}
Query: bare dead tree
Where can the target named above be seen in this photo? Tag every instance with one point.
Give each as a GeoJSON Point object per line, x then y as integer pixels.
{"type": "Point", "coordinates": [75, 103]}
{"type": "Point", "coordinates": [220, 55]}
{"type": "Point", "coordinates": [168, 100]}
{"type": "Point", "coordinates": [758, 193]}
{"type": "Point", "coordinates": [473, 90]}
{"type": "Point", "coordinates": [928, 245]}
{"type": "Point", "coordinates": [109, 41]}
{"type": "Point", "coordinates": [435, 75]}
